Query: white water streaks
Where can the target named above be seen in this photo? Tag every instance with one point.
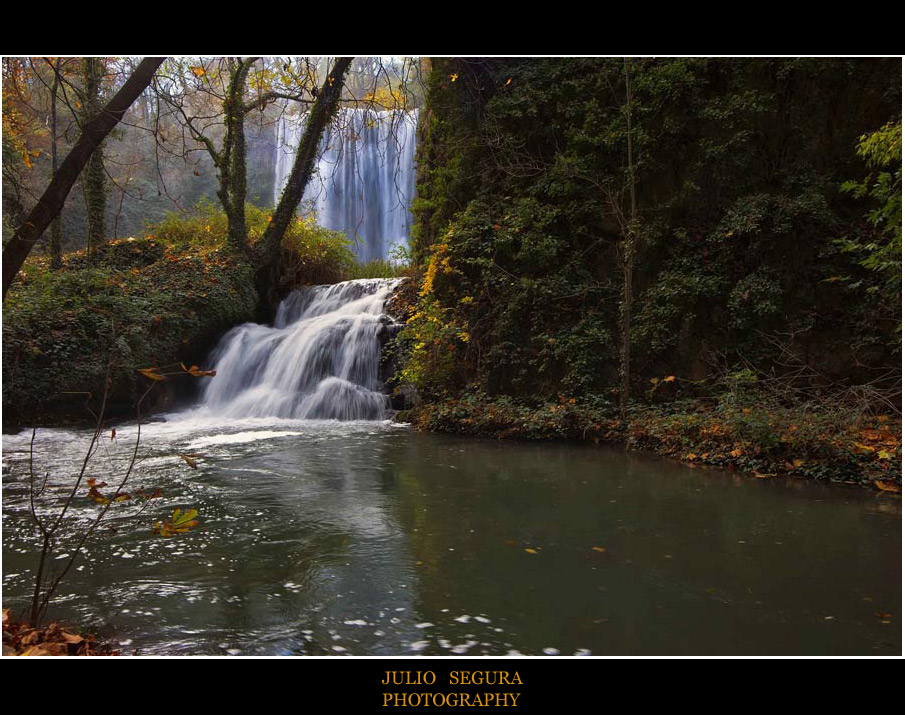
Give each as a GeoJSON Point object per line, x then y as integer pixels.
{"type": "Point", "coordinates": [365, 176]}
{"type": "Point", "coordinates": [320, 359]}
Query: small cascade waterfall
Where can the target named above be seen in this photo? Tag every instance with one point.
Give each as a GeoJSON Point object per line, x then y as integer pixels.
{"type": "Point", "coordinates": [365, 178]}
{"type": "Point", "coordinates": [320, 359]}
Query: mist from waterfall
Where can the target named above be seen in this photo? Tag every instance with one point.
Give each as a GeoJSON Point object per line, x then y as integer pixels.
{"type": "Point", "coordinates": [364, 181]}
{"type": "Point", "coordinates": [320, 359]}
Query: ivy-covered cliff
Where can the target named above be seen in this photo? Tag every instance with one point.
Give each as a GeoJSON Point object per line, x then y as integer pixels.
{"type": "Point", "coordinates": [697, 206]}
{"type": "Point", "coordinates": [738, 170]}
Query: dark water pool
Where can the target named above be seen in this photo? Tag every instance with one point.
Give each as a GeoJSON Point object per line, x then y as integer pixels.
{"type": "Point", "coordinates": [370, 539]}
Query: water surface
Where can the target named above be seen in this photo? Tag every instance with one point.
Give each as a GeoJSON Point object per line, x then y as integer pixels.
{"type": "Point", "coordinates": [367, 538]}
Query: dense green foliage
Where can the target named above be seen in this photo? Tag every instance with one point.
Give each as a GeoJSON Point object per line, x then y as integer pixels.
{"type": "Point", "coordinates": [521, 189]}
{"type": "Point", "coordinates": [882, 251]}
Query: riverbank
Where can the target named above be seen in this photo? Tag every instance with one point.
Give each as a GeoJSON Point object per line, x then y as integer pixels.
{"type": "Point", "coordinates": [21, 640]}
{"type": "Point", "coordinates": [158, 300]}
{"type": "Point", "coordinates": [798, 442]}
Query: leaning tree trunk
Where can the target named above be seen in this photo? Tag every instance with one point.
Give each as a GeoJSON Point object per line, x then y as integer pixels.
{"type": "Point", "coordinates": [323, 110]}
{"type": "Point", "coordinates": [51, 201]}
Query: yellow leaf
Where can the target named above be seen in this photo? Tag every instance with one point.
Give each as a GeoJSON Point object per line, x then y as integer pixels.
{"type": "Point", "coordinates": [599, 549]}
{"type": "Point", "coordinates": [198, 71]}
{"type": "Point", "coordinates": [669, 378]}
{"type": "Point", "coordinates": [530, 551]}
{"type": "Point", "coordinates": [883, 454]}
{"type": "Point", "coordinates": [152, 372]}
{"type": "Point", "coordinates": [887, 486]}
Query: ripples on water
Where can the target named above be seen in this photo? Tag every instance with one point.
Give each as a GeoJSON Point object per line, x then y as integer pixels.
{"type": "Point", "coordinates": [323, 537]}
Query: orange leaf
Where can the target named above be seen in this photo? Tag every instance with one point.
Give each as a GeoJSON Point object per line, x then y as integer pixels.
{"type": "Point", "coordinates": [152, 372]}
{"type": "Point", "coordinates": [96, 496]}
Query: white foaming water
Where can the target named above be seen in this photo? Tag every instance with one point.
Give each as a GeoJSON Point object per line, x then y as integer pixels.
{"type": "Point", "coordinates": [320, 359]}
{"type": "Point", "coordinates": [365, 176]}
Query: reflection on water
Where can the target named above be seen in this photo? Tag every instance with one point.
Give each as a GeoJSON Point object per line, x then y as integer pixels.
{"type": "Point", "coordinates": [367, 538]}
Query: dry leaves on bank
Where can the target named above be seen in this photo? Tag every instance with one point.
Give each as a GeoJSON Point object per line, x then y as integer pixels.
{"type": "Point", "coordinates": [19, 639]}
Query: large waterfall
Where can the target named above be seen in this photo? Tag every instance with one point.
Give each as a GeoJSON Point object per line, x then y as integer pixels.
{"type": "Point", "coordinates": [365, 179]}
{"type": "Point", "coordinates": [320, 359]}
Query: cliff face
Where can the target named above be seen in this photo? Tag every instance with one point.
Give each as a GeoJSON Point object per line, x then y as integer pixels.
{"type": "Point", "coordinates": [523, 189]}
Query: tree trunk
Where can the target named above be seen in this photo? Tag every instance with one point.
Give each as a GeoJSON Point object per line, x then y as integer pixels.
{"type": "Point", "coordinates": [56, 229]}
{"type": "Point", "coordinates": [322, 112]}
{"type": "Point", "coordinates": [94, 178]}
{"type": "Point", "coordinates": [51, 201]}
{"type": "Point", "coordinates": [232, 189]}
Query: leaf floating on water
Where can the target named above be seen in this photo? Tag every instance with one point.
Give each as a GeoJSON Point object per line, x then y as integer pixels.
{"type": "Point", "coordinates": [96, 496]}
{"type": "Point", "coordinates": [187, 458]}
{"type": "Point", "coordinates": [599, 549]}
{"type": "Point", "coordinates": [885, 486]}
{"type": "Point", "coordinates": [530, 551]}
